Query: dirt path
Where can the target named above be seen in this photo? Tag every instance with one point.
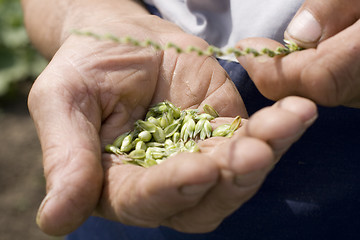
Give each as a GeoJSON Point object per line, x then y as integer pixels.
{"type": "Point", "coordinates": [22, 183]}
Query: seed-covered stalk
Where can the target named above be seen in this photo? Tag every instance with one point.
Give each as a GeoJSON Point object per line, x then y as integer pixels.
{"type": "Point", "coordinates": [289, 47]}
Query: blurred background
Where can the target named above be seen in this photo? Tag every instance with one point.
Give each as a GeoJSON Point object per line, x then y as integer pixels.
{"type": "Point", "coordinates": [22, 185]}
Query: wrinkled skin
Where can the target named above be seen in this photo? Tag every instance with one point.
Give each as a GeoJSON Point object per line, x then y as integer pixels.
{"type": "Point", "coordinates": [92, 91]}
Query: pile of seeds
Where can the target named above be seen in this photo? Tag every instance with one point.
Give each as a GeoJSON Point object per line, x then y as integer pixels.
{"type": "Point", "coordinates": [168, 130]}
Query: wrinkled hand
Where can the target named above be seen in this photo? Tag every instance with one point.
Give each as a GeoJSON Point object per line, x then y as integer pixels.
{"type": "Point", "coordinates": [329, 74]}
{"type": "Point", "coordinates": [194, 192]}
{"type": "Point", "coordinates": [92, 91]}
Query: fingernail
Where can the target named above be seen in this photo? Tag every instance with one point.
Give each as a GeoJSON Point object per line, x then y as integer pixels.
{"type": "Point", "coordinates": [196, 189]}
{"type": "Point", "coordinates": [304, 28]}
{"type": "Point", "coordinates": [42, 205]}
{"type": "Point", "coordinates": [310, 121]}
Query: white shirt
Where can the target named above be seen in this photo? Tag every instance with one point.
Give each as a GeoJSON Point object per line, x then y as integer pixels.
{"type": "Point", "coordinates": [224, 22]}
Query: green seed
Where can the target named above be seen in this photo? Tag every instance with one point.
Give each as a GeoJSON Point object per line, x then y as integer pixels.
{"type": "Point", "coordinates": [147, 126]}
{"type": "Point", "coordinates": [118, 141]}
{"type": "Point", "coordinates": [112, 149]}
{"type": "Point", "coordinates": [210, 110]}
{"type": "Point", "coordinates": [199, 126]}
{"type": "Point", "coordinates": [150, 162]}
{"type": "Point", "coordinates": [176, 113]}
{"type": "Point", "coordinates": [153, 120]}
{"type": "Point", "coordinates": [268, 52]}
{"type": "Point", "coordinates": [227, 130]}
{"type": "Point", "coordinates": [204, 116]}
{"type": "Point", "coordinates": [156, 153]}
{"type": "Point", "coordinates": [230, 134]}
{"type": "Point", "coordinates": [145, 136]}
{"type": "Point", "coordinates": [148, 153]}
{"type": "Point", "coordinates": [140, 145]}
{"type": "Point", "coordinates": [172, 129]}
{"type": "Point", "coordinates": [140, 162]}
{"type": "Point", "coordinates": [163, 108]}
{"type": "Point", "coordinates": [126, 145]}
{"type": "Point", "coordinates": [176, 137]}
{"type": "Point", "coordinates": [137, 154]}
{"type": "Point", "coordinates": [155, 144]}
{"type": "Point", "coordinates": [159, 135]}
{"type": "Point", "coordinates": [235, 123]}
{"type": "Point", "coordinates": [168, 143]}
{"type": "Point", "coordinates": [188, 129]}
{"type": "Point", "coordinates": [191, 128]}
{"type": "Point", "coordinates": [191, 146]}
{"type": "Point", "coordinates": [189, 115]}
{"type": "Point", "coordinates": [203, 135]}
{"type": "Point", "coordinates": [221, 131]}
{"type": "Point", "coordinates": [164, 121]}
{"type": "Point", "coordinates": [206, 131]}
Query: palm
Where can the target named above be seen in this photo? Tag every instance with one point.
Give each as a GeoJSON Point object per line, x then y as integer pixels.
{"type": "Point", "coordinates": [125, 81]}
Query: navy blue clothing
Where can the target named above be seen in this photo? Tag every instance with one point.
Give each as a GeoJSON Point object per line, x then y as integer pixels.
{"type": "Point", "coordinates": [313, 192]}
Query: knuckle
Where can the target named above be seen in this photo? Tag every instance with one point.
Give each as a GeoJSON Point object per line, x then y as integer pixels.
{"type": "Point", "coordinates": [321, 84]}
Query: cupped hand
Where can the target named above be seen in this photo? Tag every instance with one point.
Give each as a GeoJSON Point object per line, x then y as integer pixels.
{"type": "Point", "coordinates": [195, 192]}
{"type": "Point", "coordinates": [92, 91]}
{"type": "Point", "coordinates": [329, 74]}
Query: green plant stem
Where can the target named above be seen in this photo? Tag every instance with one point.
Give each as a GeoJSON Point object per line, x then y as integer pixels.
{"type": "Point", "coordinates": [210, 51]}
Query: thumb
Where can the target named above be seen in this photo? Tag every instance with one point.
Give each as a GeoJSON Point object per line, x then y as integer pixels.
{"type": "Point", "coordinates": [71, 157]}
{"type": "Point", "coordinates": [318, 20]}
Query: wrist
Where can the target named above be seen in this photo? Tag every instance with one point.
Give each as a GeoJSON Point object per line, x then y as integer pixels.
{"type": "Point", "coordinates": [49, 23]}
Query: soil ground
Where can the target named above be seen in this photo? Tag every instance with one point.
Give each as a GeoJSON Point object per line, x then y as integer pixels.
{"type": "Point", "coordinates": [22, 184]}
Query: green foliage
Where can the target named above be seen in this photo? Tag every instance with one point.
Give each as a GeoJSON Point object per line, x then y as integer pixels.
{"type": "Point", "coordinates": [18, 59]}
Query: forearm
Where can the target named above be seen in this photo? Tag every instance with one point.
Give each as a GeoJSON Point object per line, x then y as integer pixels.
{"type": "Point", "coordinates": [50, 22]}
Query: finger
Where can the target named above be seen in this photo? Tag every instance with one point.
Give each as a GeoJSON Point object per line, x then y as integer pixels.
{"type": "Point", "coordinates": [246, 161]}
{"type": "Point", "coordinates": [206, 83]}
{"type": "Point", "coordinates": [328, 75]}
{"type": "Point", "coordinates": [282, 124]}
{"type": "Point", "coordinates": [318, 20]}
{"type": "Point", "coordinates": [146, 197]}
{"type": "Point", "coordinates": [232, 188]}
{"type": "Point", "coordinates": [275, 77]}
{"type": "Point", "coordinates": [71, 155]}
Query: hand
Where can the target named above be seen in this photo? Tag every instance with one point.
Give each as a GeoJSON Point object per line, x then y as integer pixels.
{"type": "Point", "coordinates": [92, 91]}
{"type": "Point", "coordinates": [329, 74]}
{"type": "Point", "coordinates": [194, 192]}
